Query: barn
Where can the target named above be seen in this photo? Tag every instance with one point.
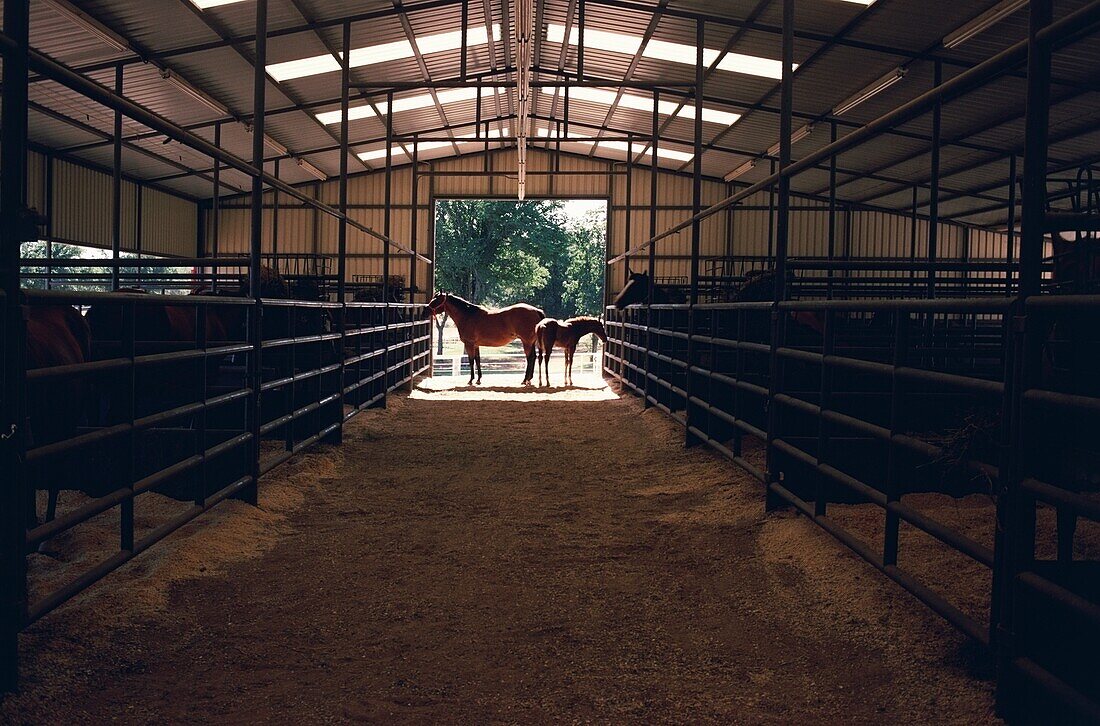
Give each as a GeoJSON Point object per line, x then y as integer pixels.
{"type": "Point", "coordinates": [839, 459]}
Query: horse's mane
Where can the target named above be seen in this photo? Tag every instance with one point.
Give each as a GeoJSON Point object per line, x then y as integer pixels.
{"type": "Point", "coordinates": [464, 304]}
{"type": "Point", "coordinates": [583, 319]}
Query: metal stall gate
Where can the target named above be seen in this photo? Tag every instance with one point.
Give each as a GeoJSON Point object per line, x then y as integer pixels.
{"type": "Point", "coordinates": [172, 403]}
{"type": "Point", "coordinates": [946, 436]}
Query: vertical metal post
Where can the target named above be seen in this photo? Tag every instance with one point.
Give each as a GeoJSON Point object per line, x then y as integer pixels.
{"type": "Point", "coordinates": [465, 47]}
{"type": "Point", "coordinates": [580, 42]}
{"type": "Point", "coordinates": [386, 245]}
{"type": "Point", "coordinates": [629, 209]}
{"type": "Point", "coordinates": [913, 223]}
{"type": "Point", "coordinates": [342, 226]}
{"type": "Point", "coordinates": [1014, 549]}
{"type": "Point", "coordinates": [697, 166]}
{"type": "Point", "coordinates": [934, 185]}
{"type": "Point", "coordinates": [893, 488]}
{"type": "Point", "coordinates": [415, 218]}
{"type": "Point", "coordinates": [13, 504]}
{"type": "Point", "coordinates": [116, 187]}
{"type": "Point", "coordinates": [771, 211]}
{"type": "Point", "coordinates": [653, 176]}
{"type": "Point", "coordinates": [49, 217]}
{"type": "Point", "coordinates": [139, 192]}
{"type": "Point", "coordinates": [652, 247]}
{"type": "Point", "coordinates": [275, 223]}
{"type": "Point", "coordinates": [696, 229]}
{"type": "Point", "coordinates": [1011, 241]}
{"type": "Point", "coordinates": [832, 212]}
{"type": "Point", "coordinates": [775, 384]}
{"type": "Point", "coordinates": [828, 345]}
{"type": "Point", "coordinates": [259, 89]}
{"type": "Point", "coordinates": [215, 210]}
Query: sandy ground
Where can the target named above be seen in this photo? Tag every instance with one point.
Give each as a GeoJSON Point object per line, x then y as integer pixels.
{"type": "Point", "coordinates": [500, 555]}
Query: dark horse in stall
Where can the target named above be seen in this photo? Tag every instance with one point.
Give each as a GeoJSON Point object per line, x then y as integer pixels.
{"type": "Point", "coordinates": [56, 335]}
{"type": "Point", "coordinates": [637, 290]}
{"type": "Point", "coordinates": [478, 326]}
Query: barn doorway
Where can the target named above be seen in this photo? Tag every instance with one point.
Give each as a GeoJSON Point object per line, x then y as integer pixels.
{"type": "Point", "coordinates": [551, 253]}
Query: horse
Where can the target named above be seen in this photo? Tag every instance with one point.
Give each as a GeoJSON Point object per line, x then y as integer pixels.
{"type": "Point", "coordinates": [478, 326]}
{"type": "Point", "coordinates": [637, 290]}
{"type": "Point", "coordinates": [565, 335]}
{"type": "Point", "coordinates": [56, 335]}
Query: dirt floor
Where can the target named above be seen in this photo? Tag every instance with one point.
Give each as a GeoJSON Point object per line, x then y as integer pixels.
{"type": "Point", "coordinates": [500, 555]}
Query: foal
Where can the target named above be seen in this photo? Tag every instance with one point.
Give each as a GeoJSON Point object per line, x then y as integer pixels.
{"type": "Point", "coordinates": [565, 335]}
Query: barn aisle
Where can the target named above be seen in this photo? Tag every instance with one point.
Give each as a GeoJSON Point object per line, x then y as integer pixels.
{"type": "Point", "coordinates": [501, 555]}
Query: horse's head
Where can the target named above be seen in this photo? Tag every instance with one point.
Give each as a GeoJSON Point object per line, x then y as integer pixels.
{"type": "Point", "coordinates": [635, 290]}
{"type": "Point", "coordinates": [436, 305]}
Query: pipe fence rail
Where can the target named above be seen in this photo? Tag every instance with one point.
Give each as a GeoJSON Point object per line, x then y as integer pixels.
{"type": "Point", "coordinates": [179, 417]}
{"type": "Point", "coordinates": [892, 384]}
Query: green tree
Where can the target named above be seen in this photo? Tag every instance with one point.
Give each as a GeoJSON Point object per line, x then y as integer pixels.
{"type": "Point", "coordinates": [496, 252]}
{"type": "Point", "coordinates": [499, 253]}
{"type": "Point", "coordinates": [582, 292]}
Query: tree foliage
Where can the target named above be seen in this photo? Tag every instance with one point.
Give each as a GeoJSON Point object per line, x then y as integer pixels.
{"type": "Point", "coordinates": [501, 252]}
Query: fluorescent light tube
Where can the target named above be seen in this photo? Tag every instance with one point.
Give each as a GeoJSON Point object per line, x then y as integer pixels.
{"type": "Point", "coordinates": [877, 87]}
{"type": "Point", "coordinates": [983, 22]}
{"type": "Point", "coordinates": [89, 24]}
{"type": "Point", "coordinates": [312, 169]}
{"type": "Point", "coordinates": [741, 170]}
{"type": "Point", "coordinates": [194, 93]}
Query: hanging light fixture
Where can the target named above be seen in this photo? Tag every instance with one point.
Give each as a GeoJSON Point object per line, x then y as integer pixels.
{"type": "Point", "coordinates": [525, 26]}
{"type": "Point", "coordinates": [875, 88]}
{"type": "Point", "coordinates": [741, 170]}
{"type": "Point", "coordinates": [982, 23]}
{"type": "Point", "coordinates": [797, 136]}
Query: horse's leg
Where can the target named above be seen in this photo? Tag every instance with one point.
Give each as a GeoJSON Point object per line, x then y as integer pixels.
{"type": "Point", "coordinates": [529, 351]}
{"type": "Point", "coordinates": [569, 365]}
{"type": "Point", "coordinates": [471, 354]}
{"type": "Point", "coordinates": [546, 362]}
{"type": "Point", "coordinates": [538, 360]}
{"type": "Point", "coordinates": [478, 366]}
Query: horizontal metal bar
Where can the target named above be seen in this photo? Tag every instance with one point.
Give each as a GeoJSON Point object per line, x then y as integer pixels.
{"type": "Point", "coordinates": [1080, 505]}
{"type": "Point", "coordinates": [90, 577]}
{"type": "Point", "coordinates": [753, 470]}
{"type": "Point", "coordinates": [1062, 692]}
{"type": "Point", "coordinates": [933, 600]}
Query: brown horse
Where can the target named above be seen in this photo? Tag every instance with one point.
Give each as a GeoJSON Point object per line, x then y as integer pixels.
{"type": "Point", "coordinates": [479, 326]}
{"type": "Point", "coordinates": [57, 335]}
{"type": "Point", "coordinates": [564, 335]}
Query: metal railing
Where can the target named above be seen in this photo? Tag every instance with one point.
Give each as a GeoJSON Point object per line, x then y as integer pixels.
{"type": "Point", "coordinates": [174, 417]}
{"type": "Point", "coordinates": [866, 413]}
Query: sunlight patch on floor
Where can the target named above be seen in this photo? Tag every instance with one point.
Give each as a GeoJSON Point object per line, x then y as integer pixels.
{"type": "Point", "coordinates": [507, 388]}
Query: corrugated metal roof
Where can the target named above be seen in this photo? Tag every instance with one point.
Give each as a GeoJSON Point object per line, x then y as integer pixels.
{"type": "Point", "coordinates": [176, 36]}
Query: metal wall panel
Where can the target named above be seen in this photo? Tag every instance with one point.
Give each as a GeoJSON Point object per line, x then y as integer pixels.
{"type": "Point", "coordinates": [169, 224]}
{"type": "Point", "coordinates": [81, 211]}
{"type": "Point", "coordinates": [744, 231]}
{"type": "Point", "coordinates": [81, 205]}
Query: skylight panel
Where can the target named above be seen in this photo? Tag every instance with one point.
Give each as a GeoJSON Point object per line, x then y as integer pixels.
{"type": "Point", "coordinates": [408, 103]}
{"type": "Point", "coordinates": [462, 140]}
{"type": "Point", "coordinates": [642, 103]}
{"type": "Point", "coordinates": [380, 53]}
{"type": "Point", "coordinates": [668, 51]}
{"type": "Point", "coordinates": [662, 152]}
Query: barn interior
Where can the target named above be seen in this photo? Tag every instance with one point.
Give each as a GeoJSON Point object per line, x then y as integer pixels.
{"type": "Point", "coordinates": [851, 249]}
